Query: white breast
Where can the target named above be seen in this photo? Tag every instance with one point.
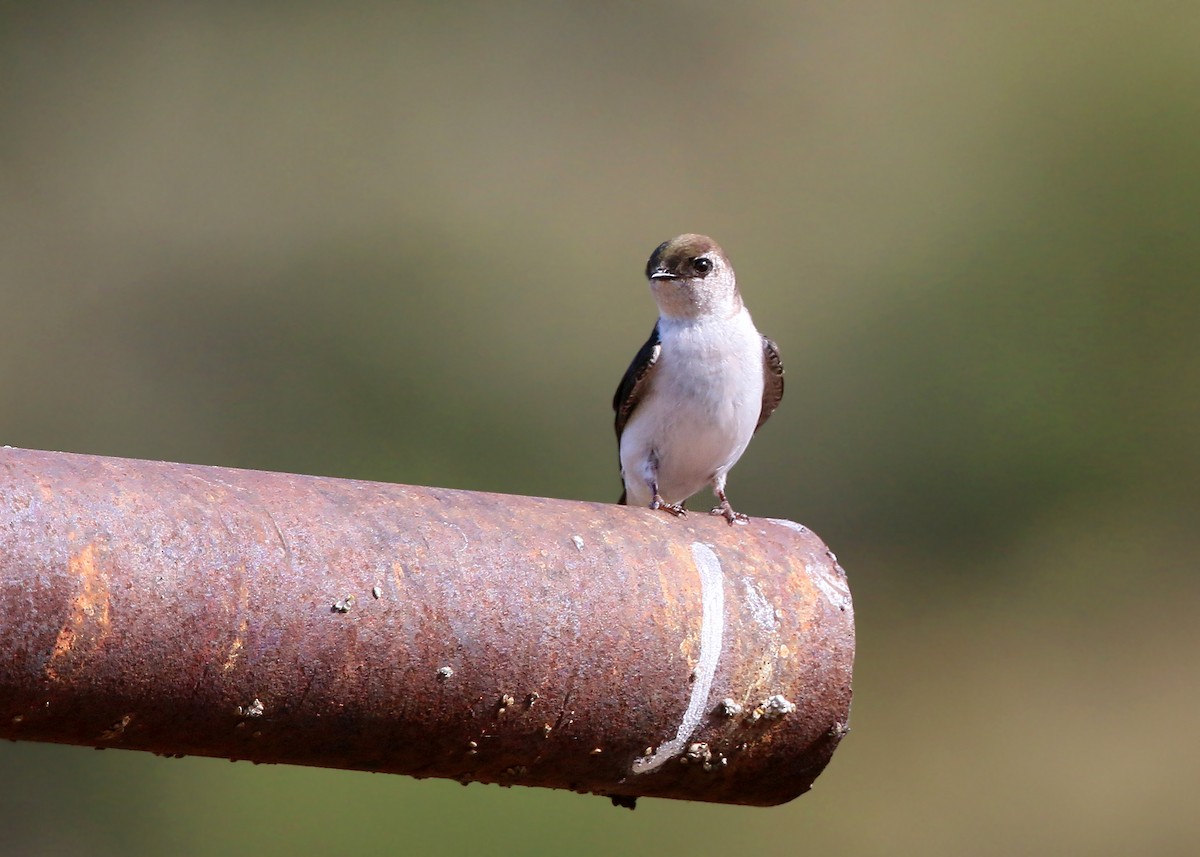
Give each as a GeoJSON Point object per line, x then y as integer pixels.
{"type": "Point", "coordinates": [700, 411]}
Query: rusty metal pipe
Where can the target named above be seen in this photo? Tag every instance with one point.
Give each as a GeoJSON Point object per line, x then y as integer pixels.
{"type": "Point", "coordinates": [423, 631]}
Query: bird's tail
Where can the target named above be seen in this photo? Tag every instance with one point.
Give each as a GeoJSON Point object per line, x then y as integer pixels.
{"type": "Point", "coordinates": [622, 502]}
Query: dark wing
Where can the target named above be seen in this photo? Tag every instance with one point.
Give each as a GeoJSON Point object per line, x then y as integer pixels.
{"type": "Point", "coordinates": [772, 381]}
{"type": "Point", "coordinates": [637, 378]}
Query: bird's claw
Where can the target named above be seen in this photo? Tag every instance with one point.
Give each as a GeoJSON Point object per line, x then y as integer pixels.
{"type": "Point", "coordinates": [675, 509]}
{"type": "Point", "coordinates": [726, 511]}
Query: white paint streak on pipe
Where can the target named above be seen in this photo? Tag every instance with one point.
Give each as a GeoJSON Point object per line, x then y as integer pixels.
{"type": "Point", "coordinates": [712, 632]}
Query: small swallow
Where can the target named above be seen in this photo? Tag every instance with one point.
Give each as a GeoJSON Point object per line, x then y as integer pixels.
{"type": "Point", "coordinates": [702, 385]}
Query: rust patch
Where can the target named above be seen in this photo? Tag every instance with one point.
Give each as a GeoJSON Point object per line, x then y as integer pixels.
{"type": "Point", "coordinates": [235, 649]}
{"type": "Point", "coordinates": [90, 609]}
{"type": "Point", "coordinates": [117, 729]}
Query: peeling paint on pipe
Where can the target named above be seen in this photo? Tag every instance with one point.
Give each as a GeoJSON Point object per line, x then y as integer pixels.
{"type": "Point", "coordinates": [191, 610]}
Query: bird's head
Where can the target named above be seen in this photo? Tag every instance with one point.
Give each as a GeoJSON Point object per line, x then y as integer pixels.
{"type": "Point", "coordinates": [690, 277]}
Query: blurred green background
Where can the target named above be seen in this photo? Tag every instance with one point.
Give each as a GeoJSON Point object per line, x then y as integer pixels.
{"type": "Point", "coordinates": [404, 242]}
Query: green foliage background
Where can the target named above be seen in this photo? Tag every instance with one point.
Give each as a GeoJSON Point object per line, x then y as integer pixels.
{"type": "Point", "coordinates": [403, 242]}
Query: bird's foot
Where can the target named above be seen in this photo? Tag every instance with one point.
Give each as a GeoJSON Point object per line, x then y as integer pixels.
{"type": "Point", "coordinates": [675, 509]}
{"type": "Point", "coordinates": [726, 511]}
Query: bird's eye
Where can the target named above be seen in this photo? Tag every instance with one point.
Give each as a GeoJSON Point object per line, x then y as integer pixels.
{"type": "Point", "coordinates": [701, 265]}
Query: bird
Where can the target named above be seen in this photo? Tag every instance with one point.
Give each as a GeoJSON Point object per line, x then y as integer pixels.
{"type": "Point", "coordinates": [705, 381]}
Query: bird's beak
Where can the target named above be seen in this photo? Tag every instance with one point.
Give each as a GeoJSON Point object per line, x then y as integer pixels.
{"type": "Point", "coordinates": [662, 274]}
